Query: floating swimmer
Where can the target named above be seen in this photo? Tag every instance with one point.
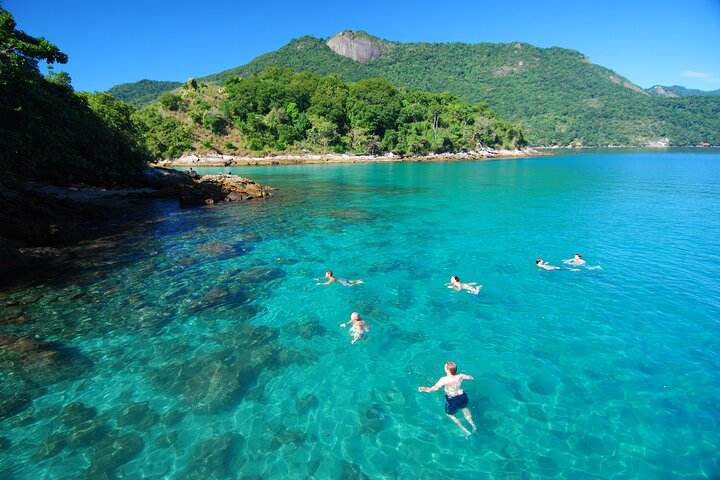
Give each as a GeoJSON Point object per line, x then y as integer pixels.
{"type": "Point", "coordinates": [539, 262]}
{"type": "Point", "coordinates": [358, 329]}
{"type": "Point", "coordinates": [455, 398]}
{"type": "Point", "coordinates": [341, 281]}
{"type": "Point", "coordinates": [577, 261]}
{"type": "Point", "coordinates": [457, 285]}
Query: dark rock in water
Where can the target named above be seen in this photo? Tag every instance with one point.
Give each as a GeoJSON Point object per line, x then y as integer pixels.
{"type": "Point", "coordinates": [536, 412]}
{"type": "Point", "coordinates": [215, 458]}
{"type": "Point", "coordinates": [213, 382]}
{"type": "Point", "coordinates": [255, 275]}
{"type": "Point", "coordinates": [166, 439]}
{"type": "Point", "coordinates": [87, 434]}
{"type": "Point", "coordinates": [215, 248]}
{"type": "Point", "coordinates": [8, 315]}
{"type": "Point", "coordinates": [215, 294]}
{"type": "Point", "coordinates": [172, 417]}
{"type": "Point", "coordinates": [372, 419]}
{"type": "Point", "coordinates": [306, 403]}
{"type": "Point", "coordinates": [51, 446]}
{"type": "Point", "coordinates": [12, 405]}
{"type": "Point", "coordinates": [113, 454]}
{"type": "Point", "coordinates": [309, 328]}
{"type": "Point", "coordinates": [350, 471]}
{"type": "Point", "coordinates": [133, 414]}
{"type": "Point", "coordinates": [76, 413]}
{"type": "Point", "coordinates": [40, 363]}
{"type": "Point", "coordinates": [287, 437]}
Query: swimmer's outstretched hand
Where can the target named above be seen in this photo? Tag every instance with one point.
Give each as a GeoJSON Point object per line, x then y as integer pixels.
{"type": "Point", "coordinates": [342, 325]}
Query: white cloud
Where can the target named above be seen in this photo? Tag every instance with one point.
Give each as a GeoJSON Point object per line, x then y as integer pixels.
{"type": "Point", "coordinates": [692, 74]}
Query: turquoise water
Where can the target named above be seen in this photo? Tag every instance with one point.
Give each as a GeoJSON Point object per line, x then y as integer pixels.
{"type": "Point", "coordinates": [197, 345]}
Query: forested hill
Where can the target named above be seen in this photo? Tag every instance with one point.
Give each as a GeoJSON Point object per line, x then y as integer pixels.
{"type": "Point", "coordinates": [557, 95]}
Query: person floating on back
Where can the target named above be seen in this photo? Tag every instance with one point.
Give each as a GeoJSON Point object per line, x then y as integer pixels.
{"type": "Point", "coordinates": [341, 281]}
{"type": "Point", "coordinates": [455, 398]}
{"type": "Point", "coordinates": [576, 261]}
{"type": "Point", "coordinates": [539, 262]}
{"type": "Point", "coordinates": [457, 285]}
{"type": "Point", "coordinates": [358, 328]}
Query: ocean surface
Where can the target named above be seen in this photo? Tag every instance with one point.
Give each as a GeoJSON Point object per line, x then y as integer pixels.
{"type": "Point", "coordinates": [197, 345]}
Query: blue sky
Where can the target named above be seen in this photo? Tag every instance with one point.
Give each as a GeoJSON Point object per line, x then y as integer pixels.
{"type": "Point", "coordinates": [111, 42]}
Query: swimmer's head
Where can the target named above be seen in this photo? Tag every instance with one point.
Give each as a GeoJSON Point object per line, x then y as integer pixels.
{"type": "Point", "coordinates": [578, 255]}
{"type": "Point", "coordinates": [355, 316]}
{"type": "Point", "coordinates": [328, 273]}
{"type": "Point", "coordinates": [538, 260]}
{"type": "Point", "coordinates": [451, 367]}
{"type": "Point", "coordinates": [454, 279]}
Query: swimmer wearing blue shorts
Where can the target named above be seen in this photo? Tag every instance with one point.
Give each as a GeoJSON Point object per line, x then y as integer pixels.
{"type": "Point", "coordinates": [455, 398]}
{"type": "Point", "coordinates": [358, 328]}
{"type": "Point", "coordinates": [341, 281]}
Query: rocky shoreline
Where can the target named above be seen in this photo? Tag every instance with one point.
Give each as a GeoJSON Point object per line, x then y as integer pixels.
{"type": "Point", "coordinates": [218, 160]}
{"type": "Point", "coordinates": [37, 217]}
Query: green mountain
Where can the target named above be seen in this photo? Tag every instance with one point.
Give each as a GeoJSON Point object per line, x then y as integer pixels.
{"type": "Point", "coordinates": [143, 92]}
{"type": "Point", "coordinates": [557, 95]}
{"type": "Point", "coordinates": [678, 91]}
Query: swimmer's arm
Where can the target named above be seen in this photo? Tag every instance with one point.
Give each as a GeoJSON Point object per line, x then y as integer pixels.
{"type": "Point", "coordinates": [440, 383]}
{"type": "Point", "coordinates": [467, 377]}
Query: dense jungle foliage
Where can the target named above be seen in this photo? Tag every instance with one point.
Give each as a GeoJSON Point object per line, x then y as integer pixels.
{"type": "Point", "coordinates": [281, 110]}
{"type": "Point", "coordinates": [46, 128]}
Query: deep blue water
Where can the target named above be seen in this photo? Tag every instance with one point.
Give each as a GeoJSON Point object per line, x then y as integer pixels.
{"type": "Point", "coordinates": [199, 346]}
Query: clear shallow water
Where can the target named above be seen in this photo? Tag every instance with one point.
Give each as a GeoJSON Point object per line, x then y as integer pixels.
{"type": "Point", "coordinates": [199, 346]}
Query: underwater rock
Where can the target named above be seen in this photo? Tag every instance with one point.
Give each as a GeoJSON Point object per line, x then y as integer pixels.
{"type": "Point", "coordinates": [372, 418]}
{"type": "Point", "coordinates": [213, 382]}
{"type": "Point", "coordinates": [133, 414]}
{"type": "Point", "coordinates": [309, 328]}
{"type": "Point", "coordinates": [215, 294]}
{"type": "Point", "coordinates": [215, 248]}
{"type": "Point", "coordinates": [10, 315]}
{"type": "Point", "coordinates": [77, 413]}
{"type": "Point", "coordinates": [255, 275]}
{"type": "Point", "coordinates": [166, 439]}
{"type": "Point", "coordinates": [87, 434]}
{"type": "Point", "coordinates": [14, 404]}
{"type": "Point", "coordinates": [40, 363]}
{"type": "Point", "coordinates": [288, 437]}
{"type": "Point", "coordinates": [113, 454]}
{"type": "Point", "coordinates": [5, 443]}
{"type": "Point", "coordinates": [306, 403]}
{"type": "Point", "coordinates": [215, 458]}
{"type": "Point", "coordinates": [172, 417]}
{"type": "Point", "coordinates": [350, 471]}
{"type": "Point", "coordinates": [52, 445]}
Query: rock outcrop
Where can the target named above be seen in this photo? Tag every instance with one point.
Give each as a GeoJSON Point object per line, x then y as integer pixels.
{"type": "Point", "coordinates": [36, 216]}
{"type": "Point", "coordinates": [358, 46]}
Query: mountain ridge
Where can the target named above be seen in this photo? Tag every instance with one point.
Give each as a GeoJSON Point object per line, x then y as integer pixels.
{"type": "Point", "coordinates": [557, 94]}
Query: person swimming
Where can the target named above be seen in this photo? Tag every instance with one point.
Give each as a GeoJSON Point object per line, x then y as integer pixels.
{"type": "Point", "coordinates": [358, 329]}
{"type": "Point", "coordinates": [455, 398]}
{"type": "Point", "coordinates": [576, 261]}
{"type": "Point", "coordinates": [341, 281]}
{"type": "Point", "coordinates": [539, 262]}
{"type": "Point", "coordinates": [457, 285]}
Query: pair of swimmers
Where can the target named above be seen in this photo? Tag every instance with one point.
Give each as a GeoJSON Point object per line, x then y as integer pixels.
{"type": "Point", "coordinates": [576, 261]}
{"type": "Point", "coordinates": [358, 327]}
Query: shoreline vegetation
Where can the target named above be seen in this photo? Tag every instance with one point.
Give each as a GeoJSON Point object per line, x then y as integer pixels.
{"type": "Point", "coordinates": [219, 160]}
